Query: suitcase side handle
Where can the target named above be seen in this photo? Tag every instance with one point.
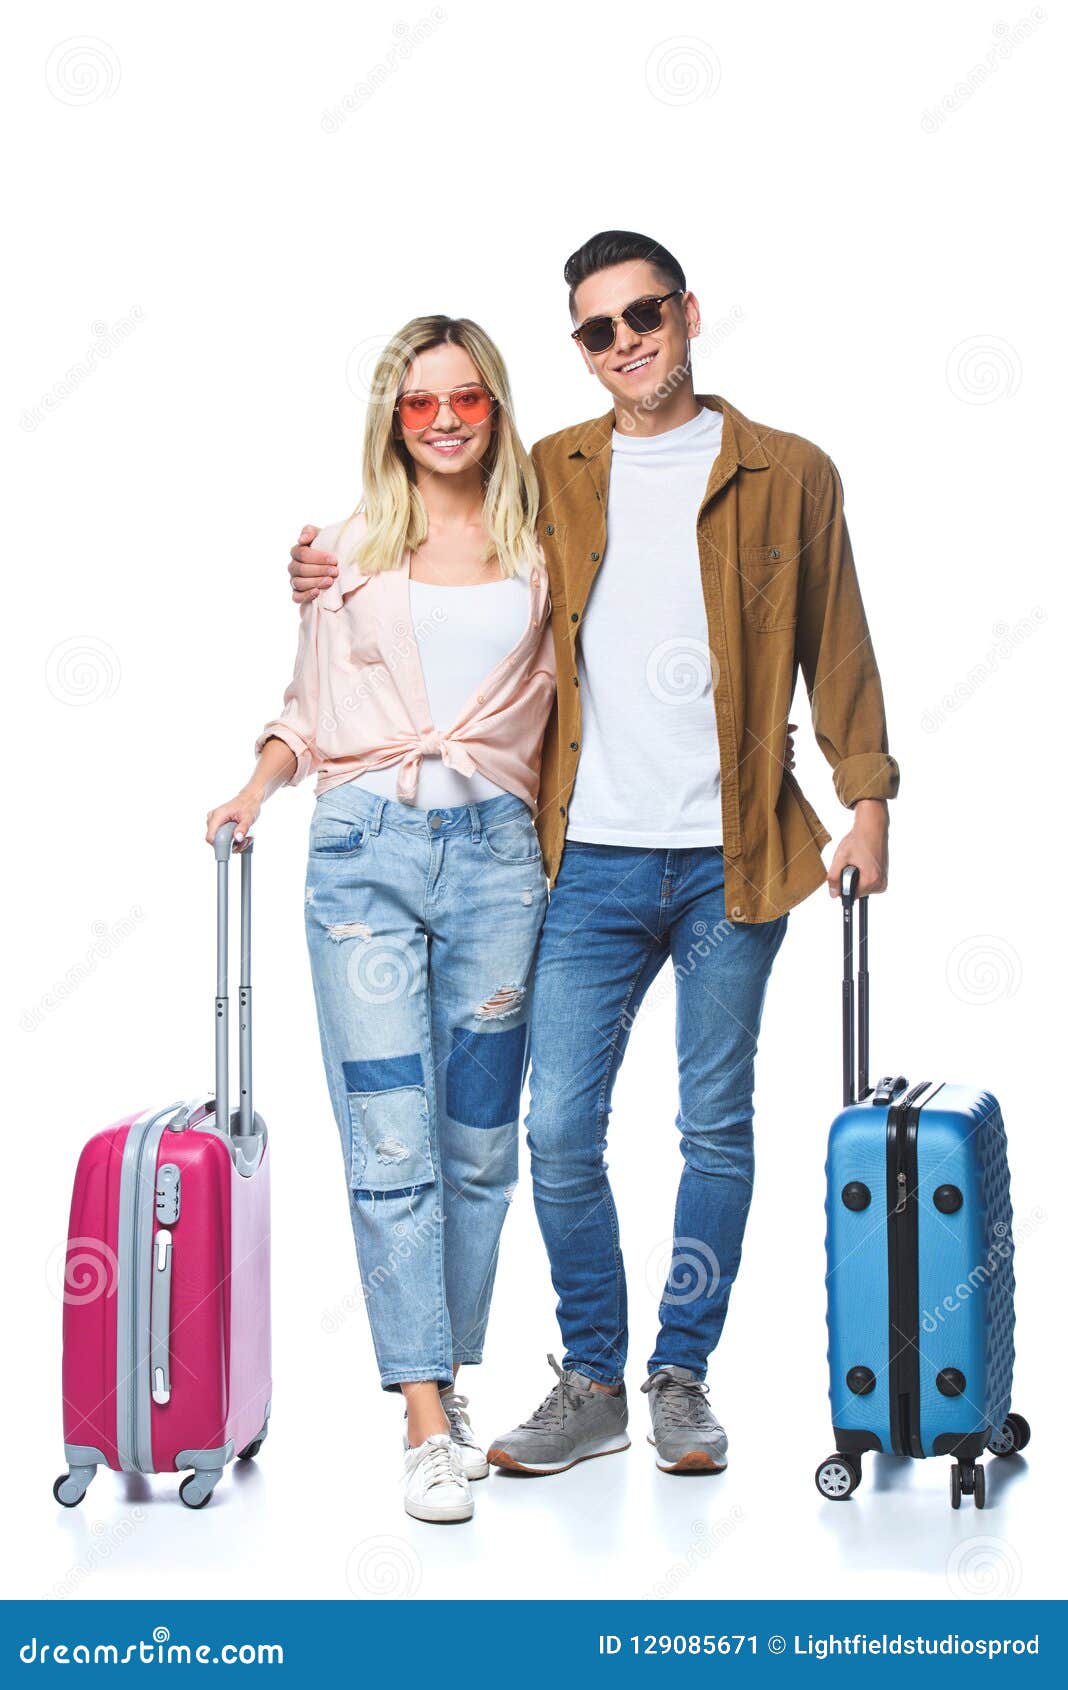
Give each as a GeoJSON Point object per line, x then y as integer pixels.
{"type": "Point", "coordinates": [224, 840]}
{"type": "Point", "coordinates": [855, 1000]}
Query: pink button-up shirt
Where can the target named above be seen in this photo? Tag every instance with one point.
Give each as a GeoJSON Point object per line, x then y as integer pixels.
{"type": "Point", "coordinates": [357, 700]}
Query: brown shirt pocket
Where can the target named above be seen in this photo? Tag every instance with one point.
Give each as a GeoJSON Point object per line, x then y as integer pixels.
{"type": "Point", "coordinates": [769, 586]}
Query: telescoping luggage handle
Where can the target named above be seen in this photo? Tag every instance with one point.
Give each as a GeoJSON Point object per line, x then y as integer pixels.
{"type": "Point", "coordinates": [855, 1016]}
{"type": "Point", "coordinates": [224, 840]}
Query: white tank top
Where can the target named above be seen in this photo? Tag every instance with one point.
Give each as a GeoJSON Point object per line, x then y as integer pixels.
{"type": "Point", "coordinates": [462, 633]}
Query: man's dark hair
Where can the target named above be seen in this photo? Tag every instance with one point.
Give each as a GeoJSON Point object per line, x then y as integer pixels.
{"type": "Point", "coordinates": [620, 246]}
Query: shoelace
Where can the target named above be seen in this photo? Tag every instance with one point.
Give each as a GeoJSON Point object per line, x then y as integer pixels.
{"type": "Point", "coordinates": [681, 1402]}
{"type": "Point", "coordinates": [456, 1414]}
{"type": "Point", "coordinates": [439, 1465]}
{"type": "Point", "coordinates": [564, 1395]}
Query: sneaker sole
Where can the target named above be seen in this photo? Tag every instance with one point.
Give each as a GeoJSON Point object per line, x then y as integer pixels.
{"type": "Point", "coordinates": [694, 1461]}
{"type": "Point", "coordinates": [439, 1516]}
{"type": "Point", "coordinates": [542, 1469]}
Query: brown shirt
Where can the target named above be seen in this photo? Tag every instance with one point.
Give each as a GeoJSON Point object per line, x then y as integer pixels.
{"type": "Point", "coordinates": [780, 591]}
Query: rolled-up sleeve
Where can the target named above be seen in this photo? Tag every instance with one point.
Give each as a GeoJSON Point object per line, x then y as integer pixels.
{"type": "Point", "coordinates": [297, 724]}
{"type": "Point", "coordinates": [836, 655]}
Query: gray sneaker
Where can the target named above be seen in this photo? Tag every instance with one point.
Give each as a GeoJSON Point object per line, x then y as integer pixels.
{"type": "Point", "coordinates": [687, 1435]}
{"type": "Point", "coordinates": [574, 1423]}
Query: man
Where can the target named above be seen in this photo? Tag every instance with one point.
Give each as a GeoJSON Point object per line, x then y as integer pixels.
{"type": "Point", "coordinates": [696, 561]}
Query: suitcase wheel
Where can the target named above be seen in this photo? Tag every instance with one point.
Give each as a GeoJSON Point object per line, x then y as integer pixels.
{"type": "Point", "coordinates": [192, 1492]}
{"type": "Point", "coordinates": [250, 1452]}
{"type": "Point", "coordinates": [967, 1478]}
{"type": "Point", "coordinates": [67, 1492]}
{"type": "Point", "coordinates": [1010, 1438]}
{"type": "Point", "coordinates": [838, 1476]}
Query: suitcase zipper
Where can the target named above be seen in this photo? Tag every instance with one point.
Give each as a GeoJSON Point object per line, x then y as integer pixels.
{"type": "Point", "coordinates": [902, 1230]}
{"type": "Point", "coordinates": [137, 1209]}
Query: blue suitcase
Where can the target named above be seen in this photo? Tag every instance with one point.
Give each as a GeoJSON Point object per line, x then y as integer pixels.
{"type": "Point", "coordinates": [919, 1263]}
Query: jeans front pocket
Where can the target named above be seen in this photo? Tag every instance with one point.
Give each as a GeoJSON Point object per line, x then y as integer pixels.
{"type": "Point", "coordinates": [336, 835]}
{"type": "Point", "coordinates": [390, 1126]}
{"type": "Point", "coordinates": [512, 840]}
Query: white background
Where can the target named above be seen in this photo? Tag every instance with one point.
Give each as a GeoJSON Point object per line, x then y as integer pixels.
{"type": "Point", "coordinates": [240, 206]}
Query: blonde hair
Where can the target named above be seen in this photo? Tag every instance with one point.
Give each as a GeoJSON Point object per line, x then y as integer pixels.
{"type": "Point", "coordinates": [395, 515]}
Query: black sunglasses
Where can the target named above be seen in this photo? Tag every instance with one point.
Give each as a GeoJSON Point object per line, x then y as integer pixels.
{"type": "Point", "coordinates": [643, 315]}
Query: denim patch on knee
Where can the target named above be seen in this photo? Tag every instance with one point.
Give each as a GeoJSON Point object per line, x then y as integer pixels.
{"type": "Point", "coordinates": [384, 1073]}
{"type": "Point", "coordinates": [485, 1076]}
{"type": "Point", "coordinates": [390, 1126]}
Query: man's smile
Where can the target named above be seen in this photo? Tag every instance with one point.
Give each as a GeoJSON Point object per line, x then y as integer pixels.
{"type": "Point", "coordinates": [636, 363]}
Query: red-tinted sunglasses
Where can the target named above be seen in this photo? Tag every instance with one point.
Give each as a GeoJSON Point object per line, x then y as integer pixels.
{"type": "Point", "coordinates": [418, 410]}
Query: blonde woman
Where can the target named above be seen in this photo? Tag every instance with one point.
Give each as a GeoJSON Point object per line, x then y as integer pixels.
{"type": "Point", "coordinates": [423, 682]}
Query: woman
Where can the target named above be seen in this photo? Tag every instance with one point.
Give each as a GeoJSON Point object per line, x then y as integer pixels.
{"type": "Point", "coordinates": [423, 681]}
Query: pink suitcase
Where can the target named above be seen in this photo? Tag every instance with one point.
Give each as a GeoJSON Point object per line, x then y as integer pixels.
{"type": "Point", "coordinates": [166, 1318]}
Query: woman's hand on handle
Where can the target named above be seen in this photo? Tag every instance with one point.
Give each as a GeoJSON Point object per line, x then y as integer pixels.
{"type": "Point", "coordinates": [275, 765]}
{"type": "Point", "coordinates": [242, 811]}
{"type": "Point", "coordinates": [310, 570]}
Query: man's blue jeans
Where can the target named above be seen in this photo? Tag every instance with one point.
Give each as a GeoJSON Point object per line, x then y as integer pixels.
{"type": "Point", "coordinates": [616, 916]}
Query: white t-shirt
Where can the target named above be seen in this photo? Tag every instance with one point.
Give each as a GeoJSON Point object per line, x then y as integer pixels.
{"type": "Point", "coordinates": [462, 633]}
{"type": "Point", "coordinates": [648, 773]}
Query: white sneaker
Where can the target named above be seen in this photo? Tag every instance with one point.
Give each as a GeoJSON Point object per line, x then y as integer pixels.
{"type": "Point", "coordinates": [472, 1455]}
{"type": "Point", "coordinates": [435, 1484]}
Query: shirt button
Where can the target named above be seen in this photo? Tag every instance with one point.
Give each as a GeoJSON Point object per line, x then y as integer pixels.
{"type": "Point", "coordinates": [549, 529]}
{"type": "Point", "coordinates": [574, 745]}
{"type": "Point", "coordinates": [595, 557]}
{"type": "Point", "coordinates": [435, 822]}
{"type": "Point", "coordinates": [482, 698]}
{"type": "Point", "coordinates": [575, 679]}
{"type": "Point", "coordinates": [563, 812]}
{"type": "Point", "coordinates": [775, 552]}
{"type": "Point", "coordinates": [574, 616]}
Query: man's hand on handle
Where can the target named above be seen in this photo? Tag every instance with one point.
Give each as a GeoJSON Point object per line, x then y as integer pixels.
{"type": "Point", "coordinates": [310, 570]}
{"type": "Point", "coordinates": [866, 846]}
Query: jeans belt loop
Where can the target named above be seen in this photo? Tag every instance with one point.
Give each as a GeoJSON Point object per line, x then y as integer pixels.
{"type": "Point", "coordinates": [376, 819]}
{"type": "Point", "coordinates": [476, 822]}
